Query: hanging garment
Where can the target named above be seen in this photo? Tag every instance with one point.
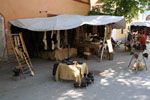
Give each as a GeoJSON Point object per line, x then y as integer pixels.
{"type": "Point", "coordinates": [69, 36]}
{"type": "Point", "coordinates": [77, 35]}
{"type": "Point", "coordinates": [54, 37]}
{"type": "Point", "coordinates": [94, 29]}
{"type": "Point", "coordinates": [89, 29]}
{"type": "Point", "coordinates": [62, 38]}
{"type": "Point", "coordinates": [45, 41]}
{"type": "Point", "coordinates": [66, 38]}
{"type": "Point", "coordinates": [101, 31]}
{"type": "Point", "coordinates": [49, 40]}
{"type": "Point", "coordinates": [58, 39]}
{"type": "Point", "coordinates": [53, 46]}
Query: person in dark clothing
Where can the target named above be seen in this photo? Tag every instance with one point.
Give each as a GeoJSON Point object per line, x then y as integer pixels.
{"type": "Point", "coordinates": [136, 46]}
{"type": "Point", "coordinates": [129, 38]}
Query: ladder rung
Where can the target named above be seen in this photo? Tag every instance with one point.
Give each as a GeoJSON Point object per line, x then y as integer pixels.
{"type": "Point", "coordinates": [22, 62]}
{"type": "Point", "coordinates": [27, 72]}
{"type": "Point", "coordinates": [24, 65]}
{"type": "Point", "coordinates": [17, 43]}
{"type": "Point", "coordinates": [26, 69]}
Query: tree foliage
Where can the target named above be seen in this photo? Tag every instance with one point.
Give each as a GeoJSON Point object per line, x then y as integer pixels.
{"type": "Point", "coordinates": [94, 11]}
{"type": "Point", "coordinates": [128, 8]}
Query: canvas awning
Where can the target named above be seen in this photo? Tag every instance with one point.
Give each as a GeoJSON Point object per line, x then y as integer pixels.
{"type": "Point", "coordinates": [64, 22]}
{"type": "Point", "coordinates": [141, 23]}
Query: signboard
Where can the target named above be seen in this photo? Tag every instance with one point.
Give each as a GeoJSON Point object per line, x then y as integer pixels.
{"type": "Point", "coordinates": [110, 48]}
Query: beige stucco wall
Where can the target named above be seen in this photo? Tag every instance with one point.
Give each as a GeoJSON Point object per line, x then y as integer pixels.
{"type": "Point", "coordinates": [16, 9]}
{"type": "Point", "coordinates": [120, 36]}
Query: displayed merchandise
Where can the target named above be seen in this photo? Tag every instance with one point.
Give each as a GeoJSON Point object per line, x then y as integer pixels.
{"type": "Point", "coordinates": [86, 81]}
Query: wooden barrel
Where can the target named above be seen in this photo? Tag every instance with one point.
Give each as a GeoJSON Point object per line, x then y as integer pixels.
{"type": "Point", "coordinates": [87, 54]}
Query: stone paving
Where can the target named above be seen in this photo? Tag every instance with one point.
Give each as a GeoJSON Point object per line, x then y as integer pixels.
{"type": "Point", "coordinates": [113, 81]}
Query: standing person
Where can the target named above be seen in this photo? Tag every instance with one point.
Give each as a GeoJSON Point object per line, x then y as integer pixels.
{"type": "Point", "coordinates": [148, 33]}
{"type": "Point", "coordinates": [129, 38]}
{"type": "Point", "coordinates": [129, 41]}
{"type": "Point", "coordinates": [143, 41]}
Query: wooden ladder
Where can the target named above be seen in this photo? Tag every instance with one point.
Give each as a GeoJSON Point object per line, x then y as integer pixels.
{"type": "Point", "coordinates": [21, 54]}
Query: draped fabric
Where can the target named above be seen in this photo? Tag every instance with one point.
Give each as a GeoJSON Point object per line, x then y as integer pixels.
{"type": "Point", "coordinates": [71, 72]}
{"type": "Point", "coordinates": [65, 22]}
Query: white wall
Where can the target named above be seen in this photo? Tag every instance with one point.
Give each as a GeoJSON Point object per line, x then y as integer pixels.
{"type": "Point", "coordinates": [114, 34]}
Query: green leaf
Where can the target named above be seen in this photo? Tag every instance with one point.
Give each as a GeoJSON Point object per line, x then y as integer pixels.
{"type": "Point", "coordinates": [128, 8]}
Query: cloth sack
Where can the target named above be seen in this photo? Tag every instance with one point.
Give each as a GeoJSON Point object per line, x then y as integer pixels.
{"type": "Point", "coordinates": [139, 66]}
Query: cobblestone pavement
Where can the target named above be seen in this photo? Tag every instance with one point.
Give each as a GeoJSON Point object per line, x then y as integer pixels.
{"type": "Point", "coordinates": [113, 81]}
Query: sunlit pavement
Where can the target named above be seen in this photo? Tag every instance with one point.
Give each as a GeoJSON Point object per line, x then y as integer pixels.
{"type": "Point", "coordinates": [113, 81]}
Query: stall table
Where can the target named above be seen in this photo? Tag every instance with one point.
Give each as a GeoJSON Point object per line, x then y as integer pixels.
{"type": "Point", "coordinates": [94, 46]}
{"type": "Point", "coordinates": [91, 45]}
{"type": "Point", "coordinates": [71, 72]}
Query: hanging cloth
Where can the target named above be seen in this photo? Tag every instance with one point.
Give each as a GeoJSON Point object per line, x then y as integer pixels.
{"type": "Point", "coordinates": [66, 38]}
{"type": "Point", "coordinates": [53, 46]}
{"type": "Point", "coordinates": [45, 41]}
{"type": "Point", "coordinates": [58, 39]}
{"type": "Point", "coordinates": [94, 29]}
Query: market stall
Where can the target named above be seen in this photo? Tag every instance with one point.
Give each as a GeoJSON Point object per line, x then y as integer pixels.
{"type": "Point", "coordinates": [59, 32]}
{"type": "Point", "coordinates": [136, 29]}
{"type": "Point", "coordinates": [141, 26]}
